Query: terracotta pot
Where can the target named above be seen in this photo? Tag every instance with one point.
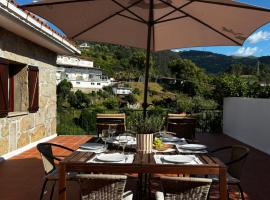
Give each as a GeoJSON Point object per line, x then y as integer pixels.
{"type": "Point", "coordinates": [144, 143]}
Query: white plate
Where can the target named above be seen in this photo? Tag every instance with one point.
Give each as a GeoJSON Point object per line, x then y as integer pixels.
{"type": "Point", "coordinates": [92, 146]}
{"type": "Point", "coordinates": [178, 158]}
{"type": "Point", "coordinates": [170, 139]}
{"type": "Point", "coordinates": [112, 157]}
{"type": "Point", "coordinates": [193, 147]}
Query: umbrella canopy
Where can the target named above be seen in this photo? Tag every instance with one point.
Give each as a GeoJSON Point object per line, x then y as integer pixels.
{"type": "Point", "coordinates": [154, 24]}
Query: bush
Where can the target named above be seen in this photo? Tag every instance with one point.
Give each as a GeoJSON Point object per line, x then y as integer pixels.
{"type": "Point", "coordinates": [130, 98]}
{"type": "Point", "coordinates": [111, 103]}
{"type": "Point", "coordinates": [87, 119]}
{"type": "Point", "coordinates": [184, 103]}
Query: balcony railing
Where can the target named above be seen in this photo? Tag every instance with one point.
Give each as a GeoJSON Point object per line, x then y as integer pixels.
{"type": "Point", "coordinates": [78, 122]}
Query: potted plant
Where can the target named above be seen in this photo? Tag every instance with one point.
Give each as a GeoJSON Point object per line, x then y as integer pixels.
{"type": "Point", "coordinates": [144, 129]}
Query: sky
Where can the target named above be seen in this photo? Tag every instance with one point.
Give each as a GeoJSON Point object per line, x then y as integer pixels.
{"type": "Point", "coordinates": [258, 44]}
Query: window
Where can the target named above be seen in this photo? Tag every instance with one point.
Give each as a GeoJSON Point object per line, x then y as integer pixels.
{"type": "Point", "coordinates": [78, 82]}
{"type": "Point", "coordinates": [98, 83]}
{"type": "Point", "coordinates": [19, 89]}
{"type": "Point", "coordinates": [92, 83]}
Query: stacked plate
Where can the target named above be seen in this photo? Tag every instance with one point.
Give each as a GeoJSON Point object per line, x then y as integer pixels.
{"type": "Point", "coordinates": [93, 147]}
{"type": "Point", "coordinates": [192, 148]}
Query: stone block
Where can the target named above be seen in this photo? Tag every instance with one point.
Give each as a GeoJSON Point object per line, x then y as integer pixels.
{"type": "Point", "coordinates": [4, 146]}
{"type": "Point", "coordinates": [38, 134]}
{"type": "Point", "coordinates": [23, 140]}
{"type": "Point", "coordinates": [27, 122]}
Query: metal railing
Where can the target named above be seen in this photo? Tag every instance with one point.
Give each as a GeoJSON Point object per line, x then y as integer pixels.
{"type": "Point", "coordinates": [83, 122]}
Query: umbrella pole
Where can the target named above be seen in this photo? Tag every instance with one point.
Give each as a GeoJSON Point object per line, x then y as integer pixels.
{"type": "Point", "coordinates": [149, 33]}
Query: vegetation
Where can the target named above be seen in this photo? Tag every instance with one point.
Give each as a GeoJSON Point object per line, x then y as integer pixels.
{"type": "Point", "coordinates": [191, 87]}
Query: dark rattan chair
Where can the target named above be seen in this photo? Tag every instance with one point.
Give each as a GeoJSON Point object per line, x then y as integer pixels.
{"type": "Point", "coordinates": [238, 155]}
{"type": "Point", "coordinates": [183, 188]}
{"type": "Point", "coordinates": [183, 127]}
{"type": "Point", "coordinates": [103, 187]}
{"type": "Point", "coordinates": [49, 164]}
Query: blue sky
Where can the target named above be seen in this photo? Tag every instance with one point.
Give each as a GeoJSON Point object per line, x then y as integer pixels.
{"type": "Point", "coordinates": [257, 45]}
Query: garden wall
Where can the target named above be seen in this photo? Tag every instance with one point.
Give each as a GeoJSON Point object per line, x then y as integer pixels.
{"type": "Point", "coordinates": [248, 120]}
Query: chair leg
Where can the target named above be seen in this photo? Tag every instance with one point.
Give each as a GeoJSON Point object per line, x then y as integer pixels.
{"type": "Point", "coordinates": [43, 189]}
{"type": "Point", "coordinates": [241, 191]}
{"type": "Point", "coordinates": [52, 191]}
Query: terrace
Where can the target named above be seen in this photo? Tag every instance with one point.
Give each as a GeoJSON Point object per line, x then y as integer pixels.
{"type": "Point", "coordinates": [22, 175]}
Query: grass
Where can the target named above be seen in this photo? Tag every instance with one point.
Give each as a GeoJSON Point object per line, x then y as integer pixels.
{"type": "Point", "coordinates": [155, 91]}
{"type": "Point", "coordinates": [67, 122]}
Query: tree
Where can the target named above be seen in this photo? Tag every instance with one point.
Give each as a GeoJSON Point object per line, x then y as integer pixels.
{"type": "Point", "coordinates": [64, 88]}
{"type": "Point", "coordinates": [237, 69]}
{"type": "Point", "coordinates": [190, 79]}
{"type": "Point", "coordinates": [227, 85]}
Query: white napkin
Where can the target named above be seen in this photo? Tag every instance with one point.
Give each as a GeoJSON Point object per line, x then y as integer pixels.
{"type": "Point", "coordinates": [195, 161]}
{"type": "Point", "coordinates": [129, 159]}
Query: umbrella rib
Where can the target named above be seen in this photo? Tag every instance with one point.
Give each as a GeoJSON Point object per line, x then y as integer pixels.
{"type": "Point", "coordinates": [232, 5]}
{"type": "Point", "coordinates": [171, 19]}
{"type": "Point", "coordinates": [52, 3]}
{"type": "Point", "coordinates": [203, 23]}
{"type": "Point", "coordinates": [134, 19]}
{"type": "Point", "coordinates": [127, 9]}
{"type": "Point", "coordinates": [104, 20]}
{"type": "Point", "coordinates": [180, 7]}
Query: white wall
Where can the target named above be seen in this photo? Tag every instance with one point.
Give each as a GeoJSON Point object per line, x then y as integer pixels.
{"type": "Point", "coordinates": [248, 120]}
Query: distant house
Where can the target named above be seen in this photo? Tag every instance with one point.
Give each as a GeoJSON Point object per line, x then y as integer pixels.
{"type": "Point", "coordinates": [81, 73]}
{"type": "Point", "coordinates": [28, 51]}
{"type": "Point", "coordinates": [122, 90]}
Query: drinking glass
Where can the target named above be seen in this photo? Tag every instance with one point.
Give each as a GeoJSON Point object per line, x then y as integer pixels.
{"type": "Point", "coordinates": [123, 140]}
{"type": "Point", "coordinates": [112, 129]}
{"type": "Point", "coordinates": [105, 136]}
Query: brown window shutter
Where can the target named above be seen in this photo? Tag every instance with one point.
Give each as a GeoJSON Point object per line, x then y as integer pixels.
{"type": "Point", "coordinates": [4, 90]}
{"type": "Point", "coordinates": [33, 85]}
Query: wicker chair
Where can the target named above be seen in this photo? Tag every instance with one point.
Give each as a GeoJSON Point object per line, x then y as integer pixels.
{"type": "Point", "coordinates": [183, 188]}
{"type": "Point", "coordinates": [235, 164]}
{"type": "Point", "coordinates": [103, 187]}
{"type": "Point", "coordinates": [48, 159]}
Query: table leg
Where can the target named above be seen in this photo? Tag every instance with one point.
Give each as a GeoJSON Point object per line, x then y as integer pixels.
{"type": "Point", "coordinates": [62, 182]}
{"type": "Point", "coordinates": [223, 184]}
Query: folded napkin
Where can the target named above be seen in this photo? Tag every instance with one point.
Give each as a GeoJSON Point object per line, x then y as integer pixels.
{"type": "Point", "coordinates": [159, 160]}
{"type": "Point", "coordinates": [128, 159]}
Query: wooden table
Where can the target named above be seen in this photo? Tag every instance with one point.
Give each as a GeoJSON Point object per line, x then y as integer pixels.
{"type": "Point", "coordinates": [141, 164]}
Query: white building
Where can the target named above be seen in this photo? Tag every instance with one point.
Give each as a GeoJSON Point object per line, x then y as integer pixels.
{"type": "Point", "coordinates": [122, 90]}
{"type": "Point", "coordinates": [81, 73]}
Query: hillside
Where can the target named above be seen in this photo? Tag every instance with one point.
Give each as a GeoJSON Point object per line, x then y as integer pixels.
{"type": "Point", "coordinates": [114, 58]}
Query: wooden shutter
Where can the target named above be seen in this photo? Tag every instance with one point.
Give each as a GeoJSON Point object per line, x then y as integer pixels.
{"type": "Point", "coordinates": [3, 90]}
{"type": "Point", "coordinates": [33, 86]}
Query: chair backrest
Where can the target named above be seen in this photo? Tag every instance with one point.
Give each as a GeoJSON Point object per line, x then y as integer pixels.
{"type": "Point", "coordinates": [101, 186]}
{"type": "Point", "coordinates": [238, 158]}
{"type": "Point", "coordinates": [48, 159]}
{"type": "Point", "coordinates": [185, 188]}
{"type": "Point", "coordinates": [45, 150]}
{"type": "Point", "coordinates": [104, 120]}
{"type": "Point", "coordinates": [184, 127]}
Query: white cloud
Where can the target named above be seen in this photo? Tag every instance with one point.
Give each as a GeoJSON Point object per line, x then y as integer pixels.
{"type": "Point", "coordinates": [258, 37]}
{"type": "Point", "coordinates": [176, 50]}
{"type": "Point", "coordinates": [246, 51]}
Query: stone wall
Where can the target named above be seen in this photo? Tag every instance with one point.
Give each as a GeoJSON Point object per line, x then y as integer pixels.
{"type": "Point", "coordinates": [20, 129]}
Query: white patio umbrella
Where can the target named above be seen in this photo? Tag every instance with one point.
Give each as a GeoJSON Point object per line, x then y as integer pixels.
{"type": "Point", "coordinates": [154, 24]}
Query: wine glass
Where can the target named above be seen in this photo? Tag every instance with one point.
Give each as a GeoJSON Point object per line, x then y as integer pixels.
{"type": "Point", "coordinates": [105, 136]}
{"type": "Point", "coordinates": [112, 129]}
{"type": "Point", "coordinates": [123, 140]}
